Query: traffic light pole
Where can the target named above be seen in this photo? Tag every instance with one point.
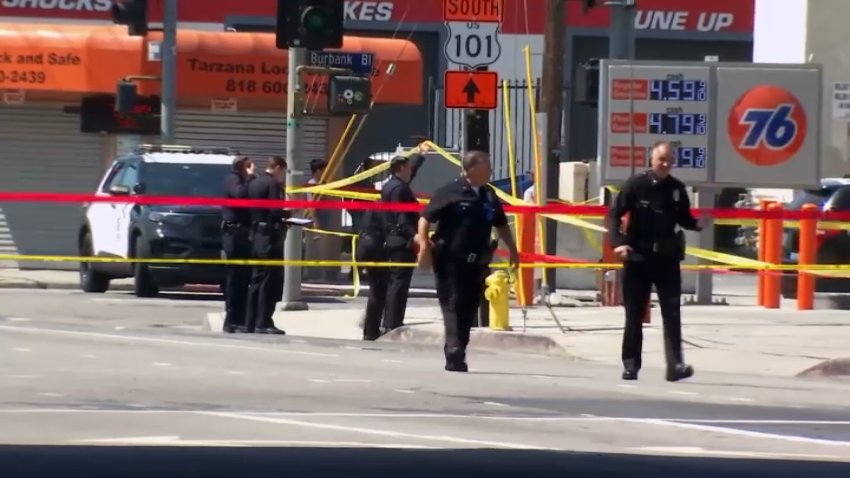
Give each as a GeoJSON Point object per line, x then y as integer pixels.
{"type": "Point", "coordinates": [296, 165]}
{"type": "Point", "coordinates": [169, 70]}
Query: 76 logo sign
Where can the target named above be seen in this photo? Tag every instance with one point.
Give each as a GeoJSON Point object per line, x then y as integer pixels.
{"type": "Point", "coordinates": [767, 125]}
{"type": "Point", "coordinates": [771, 128]}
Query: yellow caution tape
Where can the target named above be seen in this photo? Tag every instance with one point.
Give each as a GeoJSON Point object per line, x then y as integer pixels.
{"type": "Point", "coordinates": [323, 263]}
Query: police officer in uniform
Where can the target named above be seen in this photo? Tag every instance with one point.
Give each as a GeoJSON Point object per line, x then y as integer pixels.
{"type": "Point", "coordinates": [236, 244]}
{"type": "Point", "coordinates": [652, 249]}
{"type": "Point", "coordinates": [465, 211]}
{"type": "Point", "coordinates": [388, 236]}
{"type": "Point", "coordinates": [268, 232]}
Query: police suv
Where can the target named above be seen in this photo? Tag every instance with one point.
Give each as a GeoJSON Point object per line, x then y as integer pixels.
{"type": "Point", "coordinates": [124, 230]}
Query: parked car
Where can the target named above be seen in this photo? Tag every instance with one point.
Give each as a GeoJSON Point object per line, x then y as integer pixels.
{"type": "Point", "coordinates": [122, 230]}
{"type": "Point", "coordinates": [833, 246]}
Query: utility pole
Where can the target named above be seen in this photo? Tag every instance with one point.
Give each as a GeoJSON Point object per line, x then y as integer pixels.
{"type": "Point", "coordinates": [621, 32]}
{"type": "Point", "coordinates": [292, 299]}
{"type": "Point", "coordinates": [168, 50]}
{"type": "Point", "coordinates": [552, 104]}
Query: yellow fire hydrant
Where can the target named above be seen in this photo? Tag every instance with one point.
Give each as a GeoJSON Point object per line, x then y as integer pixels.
{"type": "Point", "coordinates": [497, 294]}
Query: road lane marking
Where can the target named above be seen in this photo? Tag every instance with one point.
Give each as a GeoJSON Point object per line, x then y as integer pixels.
{"type": "Point", "coordinates": [72, 333]}
{"type": "Point", "coordinates": [400, 390]}
{"type": "Point", "coordinates": [374, 431]}
{"type": "Point", "coordinates": [177, 441]}
{"type": "Point", "coordinates": [22, 349]}
{"type": "Point", "coordinates": [734, 431]}
{"type": "Point", "coordinates": [741, 399]}
{"type": "Point", "coordinates": [352, 380]}
{"type": "Point", "coordinates": [161, 364]}
{"type": "Point", "coordinates": [236, 372]}
{"type": "Point", "coordinates": [18, 319]}
{"type": "Point", "coordinates": [88, 356]}
{"type": "Point", "coordinates": [391, 361]}
{"type": "Point", "coordinates": [496, 404]}
{"type": "Point", "coordinates": [51, 394]}
{"type": "Point", "coordinates": [452, 416]}
{"type": "Point", "coordinates": [682, 392]}
{"type": "Point", "coordinates": [695, 450]}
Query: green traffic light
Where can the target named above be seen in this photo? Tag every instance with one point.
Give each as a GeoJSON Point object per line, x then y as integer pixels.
{"type": "Point", "coordinates": [314, 20]}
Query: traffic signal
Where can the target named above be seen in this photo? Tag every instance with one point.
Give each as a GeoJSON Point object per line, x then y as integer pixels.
{"type": "Point", "coordinates": [311, 24]}
{"type": "Point", "coordinates": [587, 83]}
{"type": "Point", "coordinates": [133, 13]}
{"type": "Point", "coordinates": [125, 96]}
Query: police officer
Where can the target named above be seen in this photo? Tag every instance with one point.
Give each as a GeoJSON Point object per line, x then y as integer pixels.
{"type": "Point", "coordinates": [651, 248]}
{"type": "Point", "coordinates": [236, 244]}
{"type": "Point", "coordinates": [267, 235]}
{"type": "Point", "coordinates": [465, 211]}
{"type": "Point", "coordinates": [388, 236]}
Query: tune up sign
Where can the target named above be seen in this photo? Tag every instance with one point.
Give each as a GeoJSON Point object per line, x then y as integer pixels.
{"type": "Point", "coordinates": [743, 125]}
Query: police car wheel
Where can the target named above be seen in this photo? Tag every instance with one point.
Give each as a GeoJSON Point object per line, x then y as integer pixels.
{"type": "Point", "coordinates": [143, 283]}
{"type": "Point", "coordinates": [91, 280]}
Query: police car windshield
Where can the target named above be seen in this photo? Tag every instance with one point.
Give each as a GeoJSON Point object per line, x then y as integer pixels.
{"type": "Point", "coordinates": [174, 179]}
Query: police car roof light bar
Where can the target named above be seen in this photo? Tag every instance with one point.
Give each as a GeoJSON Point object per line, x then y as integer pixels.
{"type": "Point", "coordinates": [175, 148]}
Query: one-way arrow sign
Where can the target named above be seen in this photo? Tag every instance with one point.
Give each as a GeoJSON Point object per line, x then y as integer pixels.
{"type": "Point", "coordinates": [471, 89]}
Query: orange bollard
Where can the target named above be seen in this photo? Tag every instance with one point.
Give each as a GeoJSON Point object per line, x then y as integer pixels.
{"type": "Point", "coordinates": [525, 222]}
{"type": "Point", "coordinates": [762, 245]}
{"type": "Point", "coordinates": [807, 256]}
{"type": "Point", "coordinates": [773, 255]}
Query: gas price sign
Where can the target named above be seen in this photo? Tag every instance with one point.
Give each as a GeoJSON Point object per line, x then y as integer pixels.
{"type": "Point", "coordinates": [648, 104]}
{"type": "Point", "coordinates": [730, 124]}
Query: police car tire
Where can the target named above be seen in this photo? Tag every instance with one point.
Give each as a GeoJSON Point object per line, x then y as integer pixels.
{"type": "Point", "coordinates": [91, 280]}
{"type": "Point", "coordinates": [143, 283]}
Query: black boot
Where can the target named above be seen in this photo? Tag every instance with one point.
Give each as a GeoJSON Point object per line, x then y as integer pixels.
{"type": "Point", "coordinates": [679, 371]}
{"type": "Point", "coordinates": [630, 370]}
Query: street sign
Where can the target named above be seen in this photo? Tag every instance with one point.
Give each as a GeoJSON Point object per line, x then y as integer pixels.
{"type": "Point", "coordinates": [473, 11]}
{"type": "Point", "coordinates": [731, 125]}
{"type": "Point", "coordinates": [472, 44]}
{"type": "Point", "coordinates": [360, 63]}
{"type": "Point", "coordinates": [471, 89]}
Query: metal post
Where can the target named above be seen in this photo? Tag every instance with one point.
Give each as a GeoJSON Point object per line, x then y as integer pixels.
{"type": "Point", "coordinates": [296, 166]}
{"type": "Point", "coordinates": [621, 32]}
{"type": "Point", "coordinates": [705, 198]}
{"type": "Point", "coordinates": [169, 71]}
{"type": "Point", "coordinates": [551, 112]}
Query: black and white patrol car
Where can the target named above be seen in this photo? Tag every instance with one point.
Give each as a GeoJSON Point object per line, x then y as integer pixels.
{"type": "Point", "coordinates": [122, 230]}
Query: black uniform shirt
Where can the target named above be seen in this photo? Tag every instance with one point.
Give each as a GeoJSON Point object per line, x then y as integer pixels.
{"type": "Point", "coordinates": [465, 218]}
{"type": "Point", "coordinates": [655, 207]}
{"type": "Point", "coordinates": [236, 187]}
{"type": "Point", "coordinates": [396, 190]}
{"type": "Point", "coordinates": [264, 186]}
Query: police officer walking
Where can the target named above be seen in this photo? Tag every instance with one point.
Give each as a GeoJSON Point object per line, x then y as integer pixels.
{"type": "Point", "coordinates": [388, 236]}
{"type": "Point", "coordinates": [236, 244]}
{"type": "Point", "coordinates": [652, 249]}
{"type": "Point", "coordinates": [465, 211]}
{"type": "Point", "coordinates": [267, 236]}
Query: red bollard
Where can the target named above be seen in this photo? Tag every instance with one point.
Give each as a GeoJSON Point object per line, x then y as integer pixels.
{"type": "Point", "coordinates": [762, 246]}
{"type": "Point", "coordinates": [807, 256]}
{"type": "Point", "coordinates": [773, 255]}
{"type": "Point", "coordinates": [525, 224]}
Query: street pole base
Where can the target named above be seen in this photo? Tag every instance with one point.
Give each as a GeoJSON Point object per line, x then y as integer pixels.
{"type": "Point", "coordinates": [294, 305]}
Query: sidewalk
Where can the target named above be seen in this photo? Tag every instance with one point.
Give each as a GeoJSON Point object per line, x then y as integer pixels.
{"type": "Point", "coordinates": [730, 339]}
{"type": "Point", "coordinates": [70, 280]}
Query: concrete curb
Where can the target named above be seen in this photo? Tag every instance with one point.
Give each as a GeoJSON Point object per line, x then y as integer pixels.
{"type": "Point", "coordinates": [484, 339]}
{"type": "Point", "coordinates": [839, 367]}
{"type": "Point", "coordinates": [35, 284]}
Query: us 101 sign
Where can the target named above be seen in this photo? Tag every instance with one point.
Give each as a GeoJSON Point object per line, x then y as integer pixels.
{"type": "Point", "coordinates": [730, 124]}
{"type": "Point", "coordinates": [472, 44]}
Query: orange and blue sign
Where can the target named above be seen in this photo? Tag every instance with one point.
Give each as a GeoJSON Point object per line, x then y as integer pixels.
{"type": "Point", "coordinates": [767, 125]}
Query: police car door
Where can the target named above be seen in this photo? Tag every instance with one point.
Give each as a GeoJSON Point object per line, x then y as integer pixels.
{"type": "Point", "coordinates": [123, 211]}
{"type": "Point", "coordinates": [101, 216]}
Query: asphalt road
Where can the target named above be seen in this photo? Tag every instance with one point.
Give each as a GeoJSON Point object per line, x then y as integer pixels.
{"type": "Point", "coordinates": [114, 386]}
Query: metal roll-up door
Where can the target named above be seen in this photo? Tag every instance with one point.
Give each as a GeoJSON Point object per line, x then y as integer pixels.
{"type": "Point", "coordinates": [42, 149]}
{"type": "Point", "coordinates": [249, 133]}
